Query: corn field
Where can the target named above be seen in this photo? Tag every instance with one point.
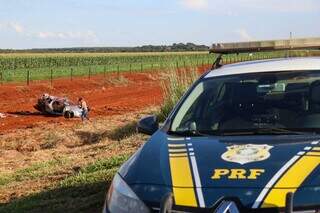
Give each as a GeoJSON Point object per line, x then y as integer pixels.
{"type": "Point", "coordinates": [19, 67]}
{"type": "Point", "coordinates": [27, 67]}
{"type": "Point", "coordinates": [15, 62]}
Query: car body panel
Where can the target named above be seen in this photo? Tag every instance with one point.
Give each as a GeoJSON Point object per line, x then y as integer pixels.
{"type": "Point", "coordinates": [75, 109]}
{"type": "Point", "coordinates": [188, 166]}
{"type": "Point", "coordinates": [150, 171]}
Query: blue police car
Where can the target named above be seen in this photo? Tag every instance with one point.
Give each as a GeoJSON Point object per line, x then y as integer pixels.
{"type": "Point", "coordinates": [244, 138]}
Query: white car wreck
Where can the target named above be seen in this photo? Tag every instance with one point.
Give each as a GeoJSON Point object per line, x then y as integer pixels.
{"type": "Point", "coordinates": [52, 105]}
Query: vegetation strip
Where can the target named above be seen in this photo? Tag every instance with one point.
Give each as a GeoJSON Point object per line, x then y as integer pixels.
{"type": "Point", "coordinates": [30, 66]}
{"type": "Point", "coordinates": [20, 67]}
{"type": "Point", "coordinates": [35, 171]}
{"type": "Point", "coordinates": [85, 189]}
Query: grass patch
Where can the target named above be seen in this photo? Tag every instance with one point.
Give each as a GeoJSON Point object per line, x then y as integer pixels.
{"type": "Point", "coordinates": [87, 137]}
{"type": "Point", "coordinates": [50, 141]}
{"type": "Point", "coordinates": [84, 198]}
{"type": "Point", "coordinates": [123, 132]}
{"type": "Point", "coordinates": [35, 171]}
{"type": "Point", "coordinates": [101, 170]}
{"type": "Point", "coordinates": [106, 164]}
{"type": "Point", "coordinates": [120, 80]}
{"type": "Point", "coordinates": [117, 134]}
{"type": "Point", "coordinates": [82, 192]}
{"type": "Point", "coordinates": [77, 183]}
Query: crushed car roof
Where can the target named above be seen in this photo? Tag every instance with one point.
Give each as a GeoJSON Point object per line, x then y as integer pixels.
{"type": "Point", "coordinates": [271, 65]}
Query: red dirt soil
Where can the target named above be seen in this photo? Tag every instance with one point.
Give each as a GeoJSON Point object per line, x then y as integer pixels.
{"type": "Point", "coordinates": [105, 97]}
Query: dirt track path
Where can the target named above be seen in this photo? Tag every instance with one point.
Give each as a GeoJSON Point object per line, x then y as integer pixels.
{"type": "Point", "coordinates": [106, 96]}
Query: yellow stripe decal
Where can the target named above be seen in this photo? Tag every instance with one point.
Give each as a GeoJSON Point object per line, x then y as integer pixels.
{"type": "Point", "coordinates": [314, 153]}
{"type": "Point", "coordinates": [290, 181]}
{"type": "Point", "coordinates": [183, 187]}
{"type": "Point", "coordinates": [179, 155]}
{"type": "Point", "coordinates": [316, 149]}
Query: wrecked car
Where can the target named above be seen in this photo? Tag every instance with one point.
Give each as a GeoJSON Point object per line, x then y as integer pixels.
{"type": "Point", "coordinates": [52, 105]}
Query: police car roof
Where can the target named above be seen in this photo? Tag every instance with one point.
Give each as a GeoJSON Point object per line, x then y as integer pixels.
{"type": "Point", "coordinates": [271, 65]}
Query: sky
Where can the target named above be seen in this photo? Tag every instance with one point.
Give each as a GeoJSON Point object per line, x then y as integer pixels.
{"type": "Point", "coordinates": [88, 23]}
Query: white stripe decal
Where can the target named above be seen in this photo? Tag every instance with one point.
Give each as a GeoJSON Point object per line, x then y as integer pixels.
{"type": "Point", "coordinates": [197, 181]}
{"type": "Point", "coordinates": [273, 180]}
{"type": "Point", "coordinates": [175, 139]}
{"type": "Point", "coordinates": [315, 142]}
{"type": "Point", "coordinates": [307, 148]}
{"type": "Point", "coordinates": [301, 153]}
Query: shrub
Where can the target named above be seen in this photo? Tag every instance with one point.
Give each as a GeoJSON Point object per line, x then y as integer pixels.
{"type": "Point", "coordinates": [174, 87]}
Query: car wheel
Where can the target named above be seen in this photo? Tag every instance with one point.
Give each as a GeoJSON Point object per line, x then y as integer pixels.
{"type": "Point", "coordinates": [67, 114]}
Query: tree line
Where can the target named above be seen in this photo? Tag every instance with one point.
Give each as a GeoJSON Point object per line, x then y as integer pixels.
{"type": "Point", "coordinates": [176, 47]}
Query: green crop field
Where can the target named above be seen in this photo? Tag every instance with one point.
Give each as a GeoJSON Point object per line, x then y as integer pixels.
{"type": "Point", "coordinates": [16, 67]}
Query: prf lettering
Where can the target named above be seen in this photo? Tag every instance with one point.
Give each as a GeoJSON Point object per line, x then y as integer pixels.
{"type": "Point", "coordinates": [236, 174]}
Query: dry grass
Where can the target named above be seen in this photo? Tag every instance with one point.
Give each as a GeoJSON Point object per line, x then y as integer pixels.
{"type": "Point", "coordinates": [59, 165]}
{"type": "Point", "coordinates": [174, 87]}
{"type": "Point", "coordinates": [119, 80]}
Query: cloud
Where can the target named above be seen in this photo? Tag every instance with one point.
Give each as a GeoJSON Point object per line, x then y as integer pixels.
{"type": "Point", "coordinates": [243, 6]}
{"type": "Point", "coordinates": [243, 35]}
{"type": "Point", "coordinates": [17, 27]}
{"type": "Point", "coordinates": [85, 37]}
{"type": "Point", "coordinates": [195, 4]}
{"type": "Point", "coordinates": [12, 26]}
{"type": "Point", "coordinates": [88, 35]}
{"type": "Point", "coordinates": [281, 6]}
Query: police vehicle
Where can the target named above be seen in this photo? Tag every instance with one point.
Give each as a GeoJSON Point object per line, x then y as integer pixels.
{"type": "Point", "coordinates": [244, 138]}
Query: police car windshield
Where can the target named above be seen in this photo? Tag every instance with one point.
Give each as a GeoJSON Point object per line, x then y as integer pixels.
{"type": "Point", "coordinates": [275, 102]}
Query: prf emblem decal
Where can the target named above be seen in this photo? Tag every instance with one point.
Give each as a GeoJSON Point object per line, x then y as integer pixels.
{"type": "Point", "coordinates": [246, 153]}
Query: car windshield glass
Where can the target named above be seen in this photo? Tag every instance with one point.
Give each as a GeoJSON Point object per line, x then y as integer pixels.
{"type": "Point", "coordinates": [254, 103]}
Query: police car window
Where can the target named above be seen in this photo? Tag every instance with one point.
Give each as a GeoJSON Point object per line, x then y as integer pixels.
{"type": "Point", "coordinates": [206, 100]}
{"type": "Point", "coordinates": [289, 100]}
{"type": "Point", "coordinates": [183, 111]}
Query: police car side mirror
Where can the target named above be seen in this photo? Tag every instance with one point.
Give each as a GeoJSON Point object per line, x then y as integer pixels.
{"type": "Point", "coordinates": [148, 125]}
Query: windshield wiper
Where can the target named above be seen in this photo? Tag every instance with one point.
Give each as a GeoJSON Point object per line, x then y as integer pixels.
{"type": "Point", "coordinates": [280, 131]}
{"type": "Point", "coordinates": [239, 132]}
{"type": "Point", "coordinates": [186, 133]}
{"type": "Point", "coordinates": [267, 131]}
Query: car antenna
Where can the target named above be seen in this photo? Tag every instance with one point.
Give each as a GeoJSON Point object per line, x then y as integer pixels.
{"type": "Point", "coordinates": [217, 63]}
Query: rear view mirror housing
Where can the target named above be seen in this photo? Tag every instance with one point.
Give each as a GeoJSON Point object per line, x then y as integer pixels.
{"type": "Point", "coordinates": [148, 125]}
